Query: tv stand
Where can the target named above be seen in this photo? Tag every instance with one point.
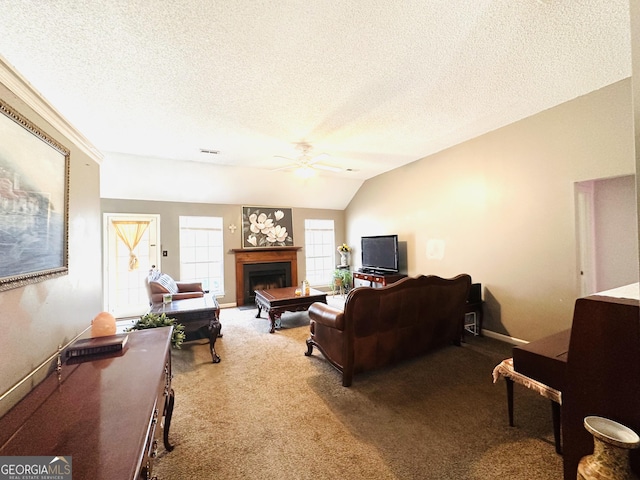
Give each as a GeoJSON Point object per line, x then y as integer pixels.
{"type": "Point", "coordinates": [382, 279]}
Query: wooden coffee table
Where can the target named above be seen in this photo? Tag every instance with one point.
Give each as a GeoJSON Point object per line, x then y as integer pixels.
{"type": "Point", "coordinates": [276, 301]}
{"type": "Point", "coordinates": [198, 315]}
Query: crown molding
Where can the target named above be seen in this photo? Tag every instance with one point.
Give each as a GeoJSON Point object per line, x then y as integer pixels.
{"type": "Point", "coordinates": [29, 95]}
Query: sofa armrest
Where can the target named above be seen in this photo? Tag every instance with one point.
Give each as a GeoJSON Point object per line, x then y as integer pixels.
{"type": "Point", "coordinates": [325, 315]}
{"type": "Point", "coordinates": [189, 287]}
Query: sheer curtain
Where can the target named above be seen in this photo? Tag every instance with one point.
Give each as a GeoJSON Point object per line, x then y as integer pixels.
{"type": "Point", "coordinates": [130, 232]}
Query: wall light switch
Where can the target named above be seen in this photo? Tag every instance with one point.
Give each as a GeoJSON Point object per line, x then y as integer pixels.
{"type": "Point", "coordinates": [164, 253]}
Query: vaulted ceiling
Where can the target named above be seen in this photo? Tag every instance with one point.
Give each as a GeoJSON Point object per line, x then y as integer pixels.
{"type": "Point", "coordinates": [374, 84]}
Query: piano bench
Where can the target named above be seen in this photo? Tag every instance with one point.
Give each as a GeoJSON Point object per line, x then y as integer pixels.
{"type": "Point", "coordinates": [505, 369]}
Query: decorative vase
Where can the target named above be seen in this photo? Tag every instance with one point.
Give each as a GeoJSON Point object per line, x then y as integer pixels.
{"type": "Point", "coordinates": [343, 259]}
{"type": "Point", "coordinates": [611, 444]}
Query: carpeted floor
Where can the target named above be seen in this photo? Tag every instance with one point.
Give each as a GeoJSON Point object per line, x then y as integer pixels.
{"type": "Point", "coordinates": [268, 411]}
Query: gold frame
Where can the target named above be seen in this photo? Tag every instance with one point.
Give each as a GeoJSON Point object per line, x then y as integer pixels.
{"type": "Point", "coordinates": [34, 202]}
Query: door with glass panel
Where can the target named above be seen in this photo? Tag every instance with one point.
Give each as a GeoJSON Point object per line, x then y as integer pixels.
{"type": "Point", "coordinates": [131, 247]}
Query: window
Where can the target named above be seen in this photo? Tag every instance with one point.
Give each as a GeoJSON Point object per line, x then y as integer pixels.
{"type": "Point", "coordinates": [201, 252]}
{"type": "Point", "coordinates": [319, 246]}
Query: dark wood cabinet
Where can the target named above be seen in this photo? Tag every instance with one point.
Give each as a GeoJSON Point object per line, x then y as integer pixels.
{"type": "Point", "coordinates": [106, 413]}
{"type": "Point", "coordinates": [378, 278]}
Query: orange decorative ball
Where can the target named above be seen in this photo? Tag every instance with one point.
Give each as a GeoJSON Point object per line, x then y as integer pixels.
{"type": "Point", "coordinates": [104, 324]}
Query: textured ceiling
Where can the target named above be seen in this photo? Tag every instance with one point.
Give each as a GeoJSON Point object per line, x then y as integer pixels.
{"type": "Point", "coordinates": [373, 83]}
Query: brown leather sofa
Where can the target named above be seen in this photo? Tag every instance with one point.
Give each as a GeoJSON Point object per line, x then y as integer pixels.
{"type": "Point", "coordinates": [160, 283]}
{"type": "Point", "coordinates": [383, 326]}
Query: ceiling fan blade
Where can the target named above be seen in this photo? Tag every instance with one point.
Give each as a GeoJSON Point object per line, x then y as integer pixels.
{"type": "Point", "coordinates": [286, 167]}
{"type": "Point", "coordinates": [328, 168]}
{"type": "Point", "coordinates": [306, 163]}
{"type": "Point", "coordinates": [317, 158]}
{"type": "Point", "coordinates": [293, 164]}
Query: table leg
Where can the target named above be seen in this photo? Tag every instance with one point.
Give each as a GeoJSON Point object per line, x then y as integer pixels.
{"type": "Point", "coordinates": [509, 383]}
{"type": "Point", "coordinates": [168, 412]}
{"type": "Point", "coordinates": [273, 318]}
{"type": "Point", "coordinates": [214, 332]}
{"type": "Point", "coordinates": [556, 415]}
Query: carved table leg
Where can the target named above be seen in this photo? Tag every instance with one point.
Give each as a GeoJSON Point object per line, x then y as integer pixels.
{"type": "Point", "coordinates": [309, 347]}
{"type": "Point", "coordinates": [168, 412]}
{"type": "Point", "coordinates": [273, 318]}
{"type": "Point", "coordinates": [259, 310]}
{"type": "Point", "coordinates": [214, 332]}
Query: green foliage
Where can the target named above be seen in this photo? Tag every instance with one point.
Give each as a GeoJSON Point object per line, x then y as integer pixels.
{"type": "Point", "coordinates": [344, 275]}
{"type": "Point", "coordinates": [153, 320]}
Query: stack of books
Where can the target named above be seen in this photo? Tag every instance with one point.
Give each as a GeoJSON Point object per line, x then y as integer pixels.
{"type": "Point", "coordinates": [97, 345]}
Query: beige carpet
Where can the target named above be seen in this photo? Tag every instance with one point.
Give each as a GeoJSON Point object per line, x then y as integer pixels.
{"type": "Point", "coordinates": [269, 412]}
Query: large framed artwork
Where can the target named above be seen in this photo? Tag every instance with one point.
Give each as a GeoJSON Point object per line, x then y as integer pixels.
{"type": "Point", "coordinates": [34, 210]}
{"type": "Point", "coordinates": [264, 227]}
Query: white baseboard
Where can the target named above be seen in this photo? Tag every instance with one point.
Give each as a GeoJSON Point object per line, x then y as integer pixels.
{"type": "Point", "coordinates": [228, 305]}
{"type": "Point", "coordinates": [503, 338]}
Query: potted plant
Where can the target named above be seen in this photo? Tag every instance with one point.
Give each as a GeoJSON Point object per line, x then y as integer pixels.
{"type": "Point", "coordinates": [153, 320]}
{"type": "Point", "coordinates": [342, 277]}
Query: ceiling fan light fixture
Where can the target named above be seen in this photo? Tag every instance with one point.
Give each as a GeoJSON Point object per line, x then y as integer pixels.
{"type": "Point", "coordinates": [304, 171]}
{"type": "Point", "coordinates": [307, 165]}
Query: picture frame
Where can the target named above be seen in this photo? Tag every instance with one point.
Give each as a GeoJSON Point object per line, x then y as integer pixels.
{"type": "Point", "coordinates": [34, 202]}
{"type": "Point", "coordinates": [267, 227]}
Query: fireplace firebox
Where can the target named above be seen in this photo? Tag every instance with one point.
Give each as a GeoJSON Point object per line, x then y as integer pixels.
{"type": "Point", "coordinates": [263, 276]}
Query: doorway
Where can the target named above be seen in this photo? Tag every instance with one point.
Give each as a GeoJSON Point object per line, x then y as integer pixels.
{"type": "Point", "coordinates": [126, 269]}
{"type": "Point", "coordinates": [606, 232]}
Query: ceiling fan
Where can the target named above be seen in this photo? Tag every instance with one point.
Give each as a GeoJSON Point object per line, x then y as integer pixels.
{"type": "Point", "coordinates": [307, 164]}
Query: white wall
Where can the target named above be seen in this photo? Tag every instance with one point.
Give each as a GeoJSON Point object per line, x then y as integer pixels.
{"type": "Point", "coordinates": [35, 319]}
{"type": "Point", "coordinates": [503, 205]}
{"type": "Point", "coordinates": [616, 236]}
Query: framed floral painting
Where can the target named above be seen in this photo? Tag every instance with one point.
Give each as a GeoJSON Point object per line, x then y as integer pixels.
{"type": "Point", "coordinates": [265, 227]}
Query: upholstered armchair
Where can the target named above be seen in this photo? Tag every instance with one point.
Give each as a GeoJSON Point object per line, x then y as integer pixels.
{"type": "Point", "coordinates": [160, 283]}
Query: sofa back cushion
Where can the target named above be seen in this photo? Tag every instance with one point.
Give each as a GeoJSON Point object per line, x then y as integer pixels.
{"type": "Point", "coordinates": [405, 319]}
{"type": "Point", "coordinates": [162, 283]}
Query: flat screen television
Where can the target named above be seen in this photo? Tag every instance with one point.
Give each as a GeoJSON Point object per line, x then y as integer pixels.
{"type": "Point", "coordinates": [380, 254]}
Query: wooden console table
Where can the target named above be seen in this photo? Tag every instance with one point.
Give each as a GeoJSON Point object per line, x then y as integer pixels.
{"type": "Point", "coordinates": [104, 412]}
{"type": "Point", "coordinates": [381, 278]}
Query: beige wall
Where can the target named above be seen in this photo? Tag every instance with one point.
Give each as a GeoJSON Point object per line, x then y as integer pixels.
{"type": "Point", "coordinates": [232, 214]}
{"type": "Point", "coordinates": [503, 207]}
{"type": "Point", "coordinates": [634, 13]}
{"type": "Point", "coordinates": [37, 318]}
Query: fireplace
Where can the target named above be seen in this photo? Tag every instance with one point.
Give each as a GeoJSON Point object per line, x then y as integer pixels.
{"type": "Point", "coordinates": [263, 276]}
{"type": "Point", "coordinates": [263, 268]}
